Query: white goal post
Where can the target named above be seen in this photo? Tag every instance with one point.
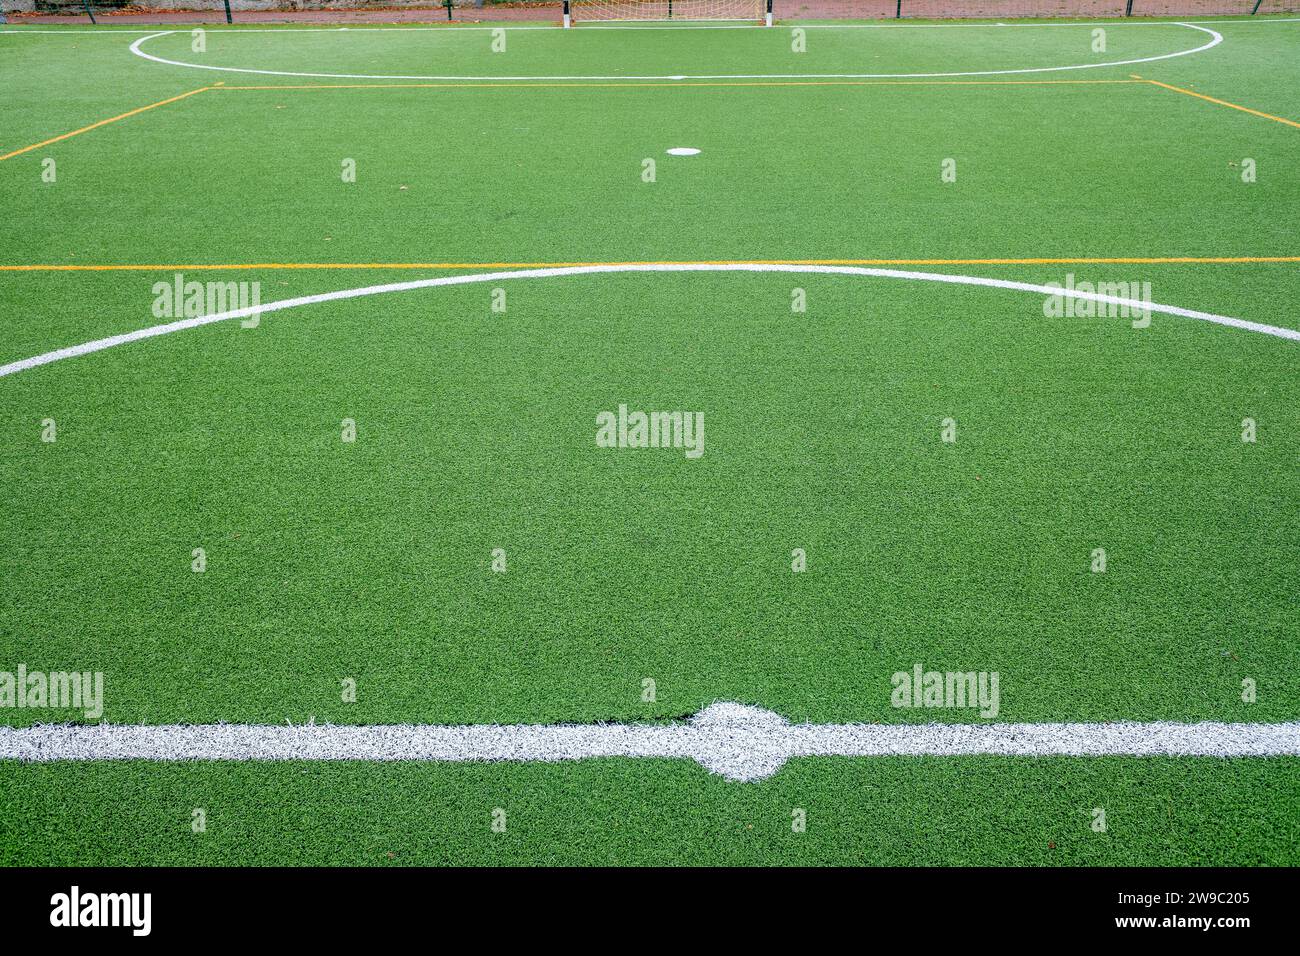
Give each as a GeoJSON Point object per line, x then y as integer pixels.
{"type": "Point", "coordinates": [581, 11]}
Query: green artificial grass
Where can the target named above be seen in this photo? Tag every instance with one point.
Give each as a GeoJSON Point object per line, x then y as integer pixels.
{"type": "Point", "coordinates": [476, 431]}
{"type": "Point", "coordinates": [889, 811]}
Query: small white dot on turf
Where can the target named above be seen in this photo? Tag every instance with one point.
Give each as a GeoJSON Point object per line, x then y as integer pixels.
{"type": "Point", "coordinates": [683, 151]}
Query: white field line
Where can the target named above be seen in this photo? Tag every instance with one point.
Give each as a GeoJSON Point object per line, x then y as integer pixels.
{"type": "Point", "coordinates": [1215, 40]}
{"type": "Point", "coordinates": [180, 325]}
{"type": "Point", "coordinates": [736, 741]}
{"type": "Point", "coordinates": [968, 26]}
{"type": "Point", "coordinates": [16, 30]}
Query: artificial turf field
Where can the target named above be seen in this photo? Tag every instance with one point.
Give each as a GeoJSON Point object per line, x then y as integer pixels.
{"type": "Point", "coordinates": [372, 560]}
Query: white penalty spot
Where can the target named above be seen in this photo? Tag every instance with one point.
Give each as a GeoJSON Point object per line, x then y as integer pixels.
{"type": "Point", "coordinates": [683, 151]}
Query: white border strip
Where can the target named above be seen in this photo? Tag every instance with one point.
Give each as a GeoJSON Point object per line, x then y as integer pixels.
{"type": "Point", "coordinates": [1215, 40]}
{"type": "Point", "coordinates": [737, 741]}
{"type": "Point", "coordinates": [180, 325]}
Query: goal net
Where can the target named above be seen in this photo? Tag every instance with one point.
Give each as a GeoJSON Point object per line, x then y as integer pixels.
{"type": "Point", "coordinates": [585, 10]}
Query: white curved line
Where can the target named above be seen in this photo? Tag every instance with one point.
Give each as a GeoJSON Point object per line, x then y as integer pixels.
{"type": "Point", "coordinates": [1215, 40]}
{"type": "Point", "coordinates": [98, 345]}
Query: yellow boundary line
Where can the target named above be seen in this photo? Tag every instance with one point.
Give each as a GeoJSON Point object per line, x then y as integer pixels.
{"type": "Point", "coordinates": [1098, 260]}
{"type": "Point", "coordinates": [632, 84]}
{"type": "Point", "coordinates": [221, 87]}
{"type": "Point", "coordinates": [1211, 99]}
{"type": "Point", "coordinates": [103, 122]}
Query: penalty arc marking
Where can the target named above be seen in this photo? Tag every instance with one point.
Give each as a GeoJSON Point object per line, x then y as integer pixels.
{"type": "Point", "coordinates": [180, 325]}
{"type": "Point", "coordinates": [736, 741]}
{"type": "Point", "coordinates": [1215, 39]}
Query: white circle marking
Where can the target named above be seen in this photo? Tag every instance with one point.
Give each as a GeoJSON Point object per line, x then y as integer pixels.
{"type": "Point", "coordinates": [1215, 40]}
{"type": "Point", "coordinates": [180, 325]}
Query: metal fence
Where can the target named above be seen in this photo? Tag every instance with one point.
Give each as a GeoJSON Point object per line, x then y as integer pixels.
{"type": "Point", "coordinates": [484, 10]}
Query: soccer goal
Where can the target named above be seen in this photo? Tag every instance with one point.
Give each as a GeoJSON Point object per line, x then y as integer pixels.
{"type": "Point", "coordinates": [581, 11]}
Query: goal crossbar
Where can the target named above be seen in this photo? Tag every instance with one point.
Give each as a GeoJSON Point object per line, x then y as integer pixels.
{"type": "Point", "coordinates": [753, 11]}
